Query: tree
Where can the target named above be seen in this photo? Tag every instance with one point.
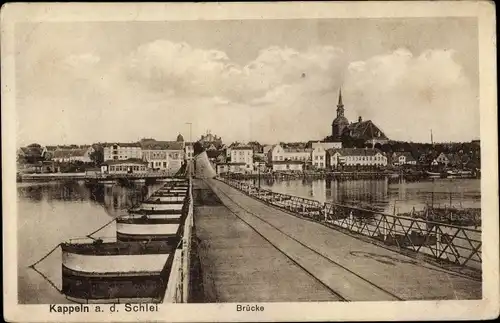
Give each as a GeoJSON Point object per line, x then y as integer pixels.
{"type": "Point", "coordinates": [97, 157]}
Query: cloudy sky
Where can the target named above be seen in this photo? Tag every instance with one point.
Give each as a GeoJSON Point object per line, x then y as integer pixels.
{"type": "Point", "coordinates": [265, 80]}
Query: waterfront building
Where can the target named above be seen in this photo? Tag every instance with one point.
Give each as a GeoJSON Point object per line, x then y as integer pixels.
{"type": "Point", "coordinates": [442, 159]}
{"type": "Point", "coordinates": [163, 155]}
{"type": "Point", "coordinates": [122, 151]}
{"type": "Point", "coordinates": [230, 147]}
{"type": "Point", "coordinates": [73, 155]}
{"type": "Point", "coordinates": [403, 158]}
{"type": "Point", "coordinates": [319, 157]}
{"type": "Point", "coordinates": [128, 166]}
{"type": "Point", "coordinates": [287, 165]}
{"type": "Point", "coordinates": [279, 153]}
{"type": "Point", "coordinates": [319, 153]}
{"type": "Point", "coordinates": [356, 157]}
{"type": "Point", "coordinates": [363, 130]}
{"type": "Point", "coordinates": [242, 154]}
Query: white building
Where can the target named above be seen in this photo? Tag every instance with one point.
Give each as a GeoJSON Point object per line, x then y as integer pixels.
{"type": "Point", "coordinates": [278, 153]}
{"type": "Point", "coordinates": [287, 165]}
{"type": "Point", "coordinates": [163, 155]}
{"type": "Point", "coordinates": [129, 166]}
{"type": "Point", "coordinates": [122, 151]}
{"type": "Point", "coordinates": [356, 157]}
{"type": "Point", "coordinates": [319, 157]}
{"type": "Point", "coordinates": [403, 158]}
{"type": "Point", "coordinates": [242, 155]}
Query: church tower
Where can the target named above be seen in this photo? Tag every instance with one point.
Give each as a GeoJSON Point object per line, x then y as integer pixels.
{"type": "Point", "coordinates": [340, 122]}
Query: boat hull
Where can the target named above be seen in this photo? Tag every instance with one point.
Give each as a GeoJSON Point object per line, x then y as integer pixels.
{"type": "Point", "coordinates": [116, 270]}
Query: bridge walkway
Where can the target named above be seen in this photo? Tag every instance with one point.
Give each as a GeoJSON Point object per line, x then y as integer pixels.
{"type": "Point", "coordinates": [239, 265]}
{"type": "Point", "coordinates": [346, 267]}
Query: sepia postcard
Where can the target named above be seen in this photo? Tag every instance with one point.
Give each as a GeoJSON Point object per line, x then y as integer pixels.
{"type": "Point", "coordinates": [248, 162]}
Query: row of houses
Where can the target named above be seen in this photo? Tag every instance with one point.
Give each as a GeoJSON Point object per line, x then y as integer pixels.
{"type": "Point", "coordinates": [322, 156]}
{"type": "Point", "coordinates": [157, 155]}
{"type": "Point", "coordinates": [281, 157]}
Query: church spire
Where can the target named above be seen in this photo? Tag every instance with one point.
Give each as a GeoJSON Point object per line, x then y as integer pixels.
{"type": "Point", "coordinates": [340, 105]}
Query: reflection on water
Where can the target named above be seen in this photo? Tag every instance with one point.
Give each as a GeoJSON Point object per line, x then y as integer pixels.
{"type": "Point", "coordinates": [50, 213]}
{"type": "Point", "coordinates": [390, 196]}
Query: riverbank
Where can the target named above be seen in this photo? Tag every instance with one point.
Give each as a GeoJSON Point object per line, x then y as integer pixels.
{"type": "Point", "coordinates": [337, 175]}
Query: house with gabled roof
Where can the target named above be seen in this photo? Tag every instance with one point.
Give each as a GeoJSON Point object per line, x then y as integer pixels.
{"type": "Point", "coordinates": [62, 155]}
{"type": "Point", "coordinates": [163, 155]}
{"type": "Point", "coordinates": [403, 158]}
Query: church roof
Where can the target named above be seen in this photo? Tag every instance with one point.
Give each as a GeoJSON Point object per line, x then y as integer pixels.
{"type": "Point", "coordinates": [366, 130]}
{"type": "Point", "coordinates": [180, 138]}
{"type": "Point", "coordinates": [340, 120]}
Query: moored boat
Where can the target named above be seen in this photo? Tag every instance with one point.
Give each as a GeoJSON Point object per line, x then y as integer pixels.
{"type": "Point", "coordinates": [105, 271]}
{"type": "Point", "coordinates": [433, 174]}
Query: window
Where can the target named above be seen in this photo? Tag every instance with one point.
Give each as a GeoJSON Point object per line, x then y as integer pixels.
{"type": "Point", "coordinates": [115, 157]}
{"type": "Point", "coordinates": [164, 164]}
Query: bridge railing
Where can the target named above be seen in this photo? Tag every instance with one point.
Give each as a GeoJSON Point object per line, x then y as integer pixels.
{"type": "Point", "coordinates": [444, 242]}
{"type": "Point", "coordinates": [178, 287]}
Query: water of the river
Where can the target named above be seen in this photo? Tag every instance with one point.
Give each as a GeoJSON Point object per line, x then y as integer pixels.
{"type": "Point", "coordinates": [399, 195]}
{"type": "Point", "coordinates": [50, 213]}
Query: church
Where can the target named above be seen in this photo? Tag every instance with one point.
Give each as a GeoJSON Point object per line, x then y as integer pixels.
{"type": "Point", "coordinates": [365, 130]}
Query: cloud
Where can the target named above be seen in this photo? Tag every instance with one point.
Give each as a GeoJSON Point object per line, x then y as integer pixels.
{"type": "Point", "coordinates": [282, 94]}
{"type": "Point", "coordinates": [188, 71]}
{"type": "Point", "coordinates": [82, 60]}
{"type": "Point", "coordinates": [408, 95]}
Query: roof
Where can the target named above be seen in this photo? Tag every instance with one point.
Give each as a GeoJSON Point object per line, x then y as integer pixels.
{"type": "Point", "coordinates": [162, 145]}
{"type": "Point", "coordinates": [31, 151]}
{"type": "Point", "coordinates": [282, 162]}
{"type": "Point", "coordinates": [407, 155]}
{"type": "Point", "coordinates": [355, 151]}
{"type": "Point", "coordinates": [67, 153]}
{"type": "Point", "coordinates": [366, 130]}
{"type": "Point", "coordinates": [298, 150]}
{"type": "Point", "coordinates": [122, 144]}
{"type": "Point", "coordinates": [242, 148]}
{"type": "Point", "coordinates": [340, 120]}
{"type": "Point", "coordinates": [125, 161]}
{"type": "Point", "coordinates": [236, 164]}
{"type": "Point", "coordinates": [214, 153]}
